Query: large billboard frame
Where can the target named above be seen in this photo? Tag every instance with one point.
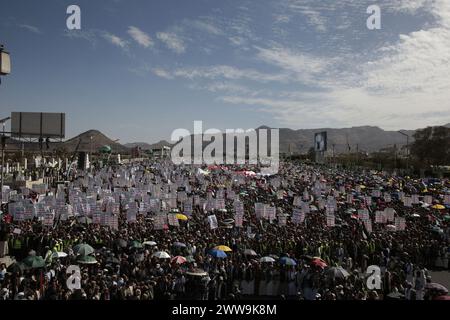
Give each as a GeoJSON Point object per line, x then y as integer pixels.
{"type": "Point", "coordinates": [38, 125]}
{"type": "Point", "coordinates": [320, 137]}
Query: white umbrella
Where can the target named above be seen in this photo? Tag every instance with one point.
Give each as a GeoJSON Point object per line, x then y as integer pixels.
{"type": "Point", "coordinates": [161, 255]}
{"type": "Point", "coordinates": [250, 252]}
{"type": "Point", "coordinates": [228, 221]}
{"type": "Point", "coordinates": [267, 259]}
{"type": "Point", "coordinates": [391, 227]}
{"type": "Point", "coordinates": [149, 243]}
{"type": "Point", "coordinates": [58, 255]}
{"type": "Point", "coordinates": [197, 273]}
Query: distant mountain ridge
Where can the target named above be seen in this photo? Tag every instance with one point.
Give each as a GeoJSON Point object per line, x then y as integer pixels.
{"type": "Point", "coordinates": [363, 138]}
{"type": "Point", "coordinates": [92, 140]}
{"type": "Point", "coordinates": [146, 146]}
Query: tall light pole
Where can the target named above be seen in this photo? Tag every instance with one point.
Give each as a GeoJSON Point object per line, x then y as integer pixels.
{"type": "Point", "coordinates": [407, 148]}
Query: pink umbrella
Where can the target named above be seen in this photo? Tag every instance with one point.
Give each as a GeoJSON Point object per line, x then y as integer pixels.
{"type": "Point", "coordinates": [178, 260]}
{"type": "Point", "coordinates": [319, 263]}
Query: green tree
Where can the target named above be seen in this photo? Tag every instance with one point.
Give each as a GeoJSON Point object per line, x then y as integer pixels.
{"type": "Point", "coordinates": [432, 146]}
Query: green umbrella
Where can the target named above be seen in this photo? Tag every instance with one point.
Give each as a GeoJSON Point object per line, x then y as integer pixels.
{"type": "Point", "coordinates": [190, 259]}
{"type": "Point", "coordinates": [136, 245]}
{"type": "Point", "coordinates": [33, 262]}
{"type": "Point", "coordinates": [83, 249]}
{"type": "Point", "coordinates": [105, 149]}
{"type": "Point", "coordinates": [447, 218]}
{"type": "Point", "coordinates": [87, 260]}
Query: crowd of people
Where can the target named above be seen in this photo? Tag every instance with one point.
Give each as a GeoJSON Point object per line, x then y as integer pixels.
{"type": "Point", "coordinates": [227, 257]}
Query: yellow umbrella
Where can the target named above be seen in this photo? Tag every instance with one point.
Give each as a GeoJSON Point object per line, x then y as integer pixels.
{"type": "Point", "coordinates": [181, 217]}
{"type": "Point", "coordinates": [223, 248]}
{"type": "Point", "coordinates": [438, 206]}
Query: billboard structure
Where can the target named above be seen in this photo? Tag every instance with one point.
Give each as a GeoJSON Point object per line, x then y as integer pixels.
{"type": "Point", "coordinates": [320, 146]}
{"type": "Point", "coordinates": [320, 142]}
{"type": "Point", "coordinates": [5, 63]}
{"type": "Point", "coordinates": [38, 125]}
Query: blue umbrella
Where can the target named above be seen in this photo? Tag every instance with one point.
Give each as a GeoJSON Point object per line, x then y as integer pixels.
{"type": "Point", "coordinates": [179, 245]}
{"type": "Point", "coordinates": [288, 261]}
{"type": "Point", "coordinates": [218, 253]}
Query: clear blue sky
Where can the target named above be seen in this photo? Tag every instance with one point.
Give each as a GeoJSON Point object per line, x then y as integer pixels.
{"type": "Point", "coordinates": [137, 70]}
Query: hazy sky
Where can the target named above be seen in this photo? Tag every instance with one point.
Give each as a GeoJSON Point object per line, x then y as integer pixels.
{"type": "Point", "coordinates": [139, 69]}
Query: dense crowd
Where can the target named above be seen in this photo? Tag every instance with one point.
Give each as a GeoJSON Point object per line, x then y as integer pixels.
{"type": "Point", "coordinates": [193, 259]}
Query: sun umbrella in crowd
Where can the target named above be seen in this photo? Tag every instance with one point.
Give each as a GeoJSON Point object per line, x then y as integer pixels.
{"type": "Point", "coordinates": [438, 207]}
{"type": "Point", "coordinates": [395, 296]}
{"type": "Point", "coordinates": [391, 227]}
{"type": "Point", "coordinates": [57, 255]}
{"type": "Point", "coordinates": [197, 273]}
{"type": "Point", "coordinates": [266, 260]}
{"type": "Point", "coordinates": [16, 267]}
{"type": "Point", "coordinates": [178, 260]}
{"type": "Point", "coordinates": [436, 287]}
{"type": "Point", "coordinates": [33, 262]}
{"type": "Point", "coordinates": [337, 273]}
{"type": "Point", "coordinates": [318, 262]}
{"type": "Point", "coordinates": [83, 249]}
{"type": "Point", "coordinates": [136, 245]}
{"type": "Point", "coordinates": [84, 220]}
{"type": "Point", "coordinates": [437, 229]}
{"type": "Point", "coordinates": [288, 261]}
{"type": "Point", "coordinates": [223, 248]}
{"type": "Point", "coordinates": [228, 221]}
{"type": "Point", "coordinates": [149, 243]}
{"type": "Point", "coordinates": [216, 253]}
{"type": "Point", "coordinates": [179, 244]}
{"type": "Point", "coordinates": [161, 255]}
{"type": "Point", "coordinates": [182, 217]}
{"type": "Point", "coordinates": [112, 260]}
{"type": "Point", "coordinates": [121, 243]}
{"type": "Point", "coordinates": [87, 260]}
{"type": "Point", "coordinates": [250, 252]}
{"type": "Point", "coordinates": [190, 259]}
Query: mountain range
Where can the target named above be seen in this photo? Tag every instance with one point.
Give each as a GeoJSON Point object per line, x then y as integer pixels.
{"type": "Point", "coordinates": [363, 138]}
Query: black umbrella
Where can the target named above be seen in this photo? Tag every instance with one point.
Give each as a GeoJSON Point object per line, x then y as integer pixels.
{"type": "Point", "coordinates": [337, 273]}
{"type": "Point", "coordinates": [121, 243]}
{"type": "Point", "coordinates": [112, 260]}
{"type": "Point", "coordinates": [16, 267]}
